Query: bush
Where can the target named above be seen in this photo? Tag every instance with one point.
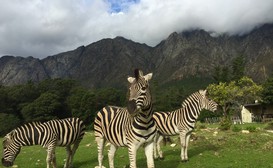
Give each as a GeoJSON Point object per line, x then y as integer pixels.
{"type": "Point", "coordinates": [251, 128]}
{"type": "Point", "coordinates": [202, 126]}
{"type": "Point", "coordinates": [236, 128]}
{"type": "Point", "coordinates": [269, 126]}
{"type": "Point", "coordinates": [8, 122]}
{"type": "Point", "coordinates": [225, 124]}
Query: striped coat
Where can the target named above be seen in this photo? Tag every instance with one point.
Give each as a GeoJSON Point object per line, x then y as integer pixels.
{"type": "Point", "coordinates": [64, 132]}
{"type": "Point", "coordinates": [129, 127]}
{"type": "Point", "coordinates": [181, 121]}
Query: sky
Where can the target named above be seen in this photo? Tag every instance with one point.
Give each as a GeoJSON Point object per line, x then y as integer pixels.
{"type": "Point", "coordinates": [41, 28]}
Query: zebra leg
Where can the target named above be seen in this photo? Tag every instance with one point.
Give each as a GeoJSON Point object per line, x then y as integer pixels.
{"type": "Point", "coordinates": [100, 143]}
{"type": "Point", "coordinates": [132, 155]}
{"type": "Point", "coordinates": [68, 156]}
{"type": "Point", "coordinates": [75, 147]}
{"type": "Point", "coordinates": [54, 163]}
{"type": "Point", "coordinates": [111, 155]}
{"type": "Point", "coordinates": [183, 146]}
{"type": "Point", "coordinates": [186, 146]}
{"type": "Point", "coordinates": [50, 156]}
{"type": "Point", "coordinates": [158, 148]}
{"type": "Point", "coordinates": [155, 147]}
{"type": "Point", "coordinates": [149, 155]}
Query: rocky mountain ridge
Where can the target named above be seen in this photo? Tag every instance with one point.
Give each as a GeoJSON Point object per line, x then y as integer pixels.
{"type": "Point", "coordinates": [108, 62]}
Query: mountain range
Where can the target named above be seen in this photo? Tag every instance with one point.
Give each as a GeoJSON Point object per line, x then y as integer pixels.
{"type": "Point", "coordinates": [108, 62]}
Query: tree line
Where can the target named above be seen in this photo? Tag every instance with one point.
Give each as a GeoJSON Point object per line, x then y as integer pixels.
{"type": "Point", "coordinates": [51, 99]}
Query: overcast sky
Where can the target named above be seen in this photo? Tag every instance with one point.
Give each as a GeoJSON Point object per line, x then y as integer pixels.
{"type": "Point", "coordinates": [40, 28]}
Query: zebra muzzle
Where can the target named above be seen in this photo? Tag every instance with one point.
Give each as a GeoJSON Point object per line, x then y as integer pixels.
{"type": "Point", "coordinates": [131, 106]}
{"type": "Point", "coordinates": [6, 163]}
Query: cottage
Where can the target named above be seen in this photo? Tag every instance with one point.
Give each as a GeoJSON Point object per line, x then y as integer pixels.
{"type": "Point", "coordinates": [257, 112]}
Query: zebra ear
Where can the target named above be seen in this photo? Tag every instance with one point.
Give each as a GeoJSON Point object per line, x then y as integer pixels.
{"type": "Point", "coordinates": [140, 73]}
{"type": "Point", "coordinates": [148, 76]}
{"type": "Point", "coordinates": [7, 139]}
{"type": "Point", "coordinates": [203, 92]}
{"type": "Point", "coordinates": [131, 79]}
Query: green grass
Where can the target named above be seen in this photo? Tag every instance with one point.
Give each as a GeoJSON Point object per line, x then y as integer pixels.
{"type": "Point", "coordinates": [210, 148]}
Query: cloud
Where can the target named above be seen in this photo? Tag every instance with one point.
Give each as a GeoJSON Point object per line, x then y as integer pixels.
{"type": "Point", "coordinates": [41, 28]}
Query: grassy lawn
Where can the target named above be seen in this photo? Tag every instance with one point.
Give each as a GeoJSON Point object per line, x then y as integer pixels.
{"type": "Point", "coordinates": [210, 148]}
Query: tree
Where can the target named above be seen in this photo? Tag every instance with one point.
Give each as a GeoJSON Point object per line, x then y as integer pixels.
{"type": "Point", "coordinates": [234, 94]}
{"type": "Point", "coordinates": [249, 91]}
{"type": "Point", "coordinates": [267, 93]}
{"type": "Point", "coordinates": [84, 103]}
{"type": "Point", "coordinates": [8, 122]}
{"type": "Point", "coordinates": [169, 99]}
{"type": "Point", "coordinates": [61, 88]}
{"type": "Point", "coordinates": [238, 67]}
{"type": "Point", "coordinates": [224, 94]}
{"type": "Point", "coordinates": [81, 103]}
{"type": "Point", "coordinates": [44, 108]}
{"type": "Point", "coordinates": [230, 96]}
{"type": "Point", "coordinates": [221, 74]}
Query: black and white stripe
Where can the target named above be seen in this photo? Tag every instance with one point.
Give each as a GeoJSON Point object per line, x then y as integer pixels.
{"type": "Point", "coordinates": [128, 127]}
{"type": "Point", "coordinates": [63, 132]}
{"type": "Point", "coordinates": [181, 121]}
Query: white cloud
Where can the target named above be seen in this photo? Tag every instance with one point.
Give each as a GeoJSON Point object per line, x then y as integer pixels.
{"type": "Point", "coordinates": [45, 27]}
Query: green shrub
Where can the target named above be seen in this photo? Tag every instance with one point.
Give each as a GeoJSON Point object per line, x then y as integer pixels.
{"type": "Point", "coordinates": [225, 124]}
{"type": "Point", "coordinates": [200, 125]}
{"type": "Point", "coordinates": [236, 128]}
{"type": "Point", "coordinates": [251, 128]}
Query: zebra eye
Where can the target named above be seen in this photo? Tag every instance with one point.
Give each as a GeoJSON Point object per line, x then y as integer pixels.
{"type": "Point", "coordinates": [143, 88]}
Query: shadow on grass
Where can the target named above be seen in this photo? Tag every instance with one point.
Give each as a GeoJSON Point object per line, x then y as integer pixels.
{"type": "Point", "coordinates": [159, 163]}
{"type": "Point", "coordinates": [172, 155]}
{"type": "Point", "coordinates": [85, 163]}
{"type": "Point", "coordinates": [198, 149]}
{"type": "Point", "coordinates": [82, 163]}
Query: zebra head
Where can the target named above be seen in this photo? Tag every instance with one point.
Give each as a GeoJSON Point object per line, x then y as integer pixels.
{"type": "Point", "coordinates": [10, 150]}
{"type": "Point", "coordinates": [139, 93]}
{"type": "Point", "coordinates": [207, 103]}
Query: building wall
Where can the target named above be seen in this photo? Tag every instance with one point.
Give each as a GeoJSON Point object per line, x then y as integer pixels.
{"type": "Point", "coordinates": [246, 115]}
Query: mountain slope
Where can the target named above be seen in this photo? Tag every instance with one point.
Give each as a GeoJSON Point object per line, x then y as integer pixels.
{"type": "Point", "coordinates": [108, 62]}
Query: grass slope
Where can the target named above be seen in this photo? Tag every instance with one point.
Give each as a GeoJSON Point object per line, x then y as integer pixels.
{"type": "Point", "coordinates": [209, 148]}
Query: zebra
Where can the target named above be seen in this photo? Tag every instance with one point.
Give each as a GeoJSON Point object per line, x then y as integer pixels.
{"type": "Point", "coordinates": [58, 132]}
{"type": "Point", "coordinates": [181, 121]}
{"type": "Point", "coordinates": [129, 127]}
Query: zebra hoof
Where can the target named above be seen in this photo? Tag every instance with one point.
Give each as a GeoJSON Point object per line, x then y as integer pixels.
{"type": "Point", "coordinates": [185, 161]}
{"type": "Point", "coordinates": [161, 158]}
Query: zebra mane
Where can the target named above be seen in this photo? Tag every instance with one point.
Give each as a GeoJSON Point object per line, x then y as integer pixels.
{"type": "Point", "coordinates": [11, 133]}
{"type": "Point", "coordinates": [189, 98]}
{"type": "Point", "coordinates": [33, 123]}
{"type": "Point", "coordinates": [138, 73]}
{"type": "Point", "coordinates": [8, 138]}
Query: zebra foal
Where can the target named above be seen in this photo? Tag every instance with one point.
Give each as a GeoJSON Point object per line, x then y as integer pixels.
{"type": "Point", "coordinates": [63, 132]}
{"type": "Point", "coordinates": [129, 127]}
{"type": "Point", "coordinates": [181, 121]}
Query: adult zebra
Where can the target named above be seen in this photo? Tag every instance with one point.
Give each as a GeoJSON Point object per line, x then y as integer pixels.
{"type": "Point", "coordinates": [63, 132]}
{"type": "Point", "coordinates": [128, 127]}
{"type": "Point", "coordinates": [181, 121]}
